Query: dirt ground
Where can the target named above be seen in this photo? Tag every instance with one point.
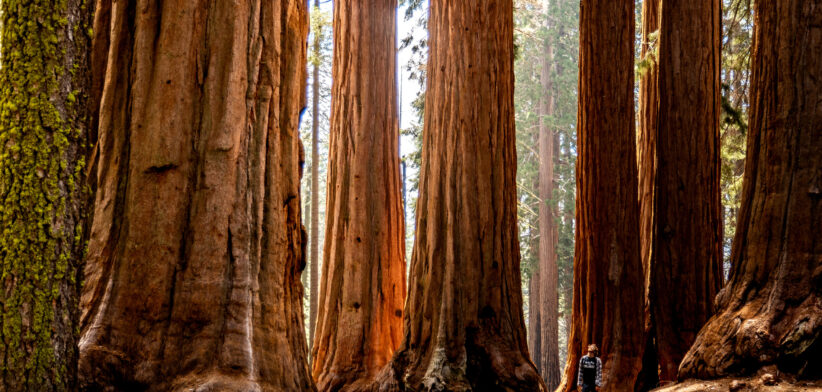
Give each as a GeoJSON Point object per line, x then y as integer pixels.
{"type": "Point", "coordinates": [749, 384]}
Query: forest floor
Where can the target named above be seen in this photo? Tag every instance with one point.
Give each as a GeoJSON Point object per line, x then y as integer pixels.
{"type": "Point", "coordinates": [749, 384]}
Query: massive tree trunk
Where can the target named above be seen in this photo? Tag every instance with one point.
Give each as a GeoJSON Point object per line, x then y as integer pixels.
{"type": "Point", "coordinates": [769, 312]}
{"type": "Point", "coordinates": [44, 81]}
{"type": "Point", "coordinates": [363, 280]}
{"type": "Point", "coordinates": [464, 329]}
{"type": "Point", "coordinates": [608, 275]}
{"type": "Point", "coordinates": [685, 262]}
{"type": "Point", "coordinates": [195, 253]}
{"type": "Point", "coordinates": [548, 232]}
{"type": "Point", "coordinates": [314, 240]}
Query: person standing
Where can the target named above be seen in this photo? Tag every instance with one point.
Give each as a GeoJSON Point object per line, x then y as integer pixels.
{"type": "Point", "coordinates": [590, 370]}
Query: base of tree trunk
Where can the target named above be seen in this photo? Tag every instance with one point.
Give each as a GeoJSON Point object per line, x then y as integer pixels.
{"type": "Point", "coordinates": [486, 365]}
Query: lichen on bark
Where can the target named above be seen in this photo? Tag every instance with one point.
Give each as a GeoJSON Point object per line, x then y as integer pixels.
{"type": "Point", "coordinates": [42, 160]}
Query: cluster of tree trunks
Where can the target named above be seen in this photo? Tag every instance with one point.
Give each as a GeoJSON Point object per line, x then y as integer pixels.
{"type": "Point", "coordinates": [464, 328]}
{"type": "Point", "coordinates": [678, 164]}
{"type": "Point", "coordinates": [44, 80]}
{"type": "Point", "coordinates": [608, 273]}
{"type": "Point", "coordinates": [363, 281]}
{"type": "Point", "coordinates": [196, 247]}
{"type": "Point", "coordinates": [770, 312]}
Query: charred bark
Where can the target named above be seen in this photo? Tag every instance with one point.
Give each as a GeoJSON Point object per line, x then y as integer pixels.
{"type": "Point", "coordinates": [608, 274]}
{"type": "Point", "coordinates": [769, 313]}
{"type": "Point", "coordinates": [464, 329]}
{"type": "Point", "coordinates": [363, 280]}
{"type": "Point", "coordinates": [196, 247]}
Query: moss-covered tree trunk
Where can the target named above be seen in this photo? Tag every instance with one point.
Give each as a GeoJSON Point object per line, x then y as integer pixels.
{"type": "Point", "coordinates": [685, 261]}
{"type": "Point", "coordinates": [43, 194]}
{"type": "Point", "coordinates": [464, 328]}
{"type": "Point", "coordinates": [769, 312]}
{"type": "Point", "coordinates": [608, 273]}
{"type": "Point", "coordinates": [195, 254]}
{"type": "Point", "coordinates": [363, 282]}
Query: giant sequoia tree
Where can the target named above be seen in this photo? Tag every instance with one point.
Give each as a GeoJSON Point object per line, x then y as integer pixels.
{"type": "Point", "coordinates": [608, 274]}
{"type": "Point", "coordinates": [43, 131]}
{"type": "Point", "coordinates": [685, 258]}
{"type": "Point", "coordinates": [363, 281]}
{"type": "Point", "coordinates": [195, 252]}
{"type": "Point", "coordinates": [464, 328]}
{"type": "Point", "coordinates": [769, 312]}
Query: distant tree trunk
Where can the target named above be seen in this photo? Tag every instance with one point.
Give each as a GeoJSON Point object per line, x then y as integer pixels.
{"type": "Point", "coordinates": [464, 328]}
{"type": "Point", "coordinates": [646, 164]}
{"type": "Point", "coordinates": [768, 313]}
{"type": "Point", "coordinates": [363, 280]}
{"type": "Point", "coordinates": [549, 312]}
{"type": "Point", "coordinates": [314, 268]}
{"type": "Point", "coordinates": [44, 85]}
{"type": "Point", "coordinates": [196, 248]}
{"type": "Point", "coordinates": [534, 323]}
{"type": "Point", "coordinates": [608, 278]}
{"type": "Point", "coordinates": [685, 265]}
{"type": "Point", "coordinates": [648, 120]}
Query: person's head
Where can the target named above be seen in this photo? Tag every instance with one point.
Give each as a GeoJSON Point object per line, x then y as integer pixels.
{"type": "Point", "coordinates": [592, 350]}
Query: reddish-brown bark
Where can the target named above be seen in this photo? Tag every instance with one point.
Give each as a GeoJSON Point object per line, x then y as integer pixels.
{"type": "Point", "coordinates": [314, 239]}
{"type": "Point", "coordinates": [608, 273]}
{"type": "Point", "coordinates": [192, 280]}
{"type": "Point", "coordinates": [534, 316]}
{"type": "Point", "coordinates": [464, 329]}
{"type": "Point", "coordinates": [548, 360]}
{"type": "Point", "coordinates": [685, 262]}
{"type": "Point", "coordinates": [363, 280]}
{"type": "Point", "coordinates": [769, 313]}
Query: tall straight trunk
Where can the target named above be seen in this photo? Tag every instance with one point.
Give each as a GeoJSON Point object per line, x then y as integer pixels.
{"type": "Point", "coordinates": [548, 231]}
{"type": "Point", "coordinates": [646, 165]}
{"type": "Point", "coordinates": [363, 280]}
{"type": "Point", "coordinates": [314, 240]}
{"type": "Point", "coordinates": [608, 275]}
{"type": "Point", "coordinates": [534, 316]}
{"type": "Point", "coordinates": [464, 329]}
{"type": "Point", "coordinates": [648, 127]}
{"type": "Point", "coordinates": [196, 248]}
{"type": "Point", "coordinates": [768, 313]}
{"type": "Point", "coordinates": [685, 265]}
{"type": "Point", "coordinates": [44, 85]}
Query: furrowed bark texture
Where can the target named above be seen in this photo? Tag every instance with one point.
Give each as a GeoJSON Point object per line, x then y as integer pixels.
{"type": "Point", "coordinates": [464, 329]}
{"type": "Point", "coordinates": [685, 262]}
{"type": "Point", "coordinates": [646, 166]}
{"type": "Point", "coordinates": [770, 312]}
{"type": "Point", "coordinates": [44, 84]}
{"type": "Point", "coordinates": [648, 126]}
{"type": "Point", "coordinates": [548, 364]}
{"type": "Point", "coordinates": [363, 280]}
{"type": "Point", "coordinates": [608, 274]}
{"type": "Point", "coordinates": [192, 280]}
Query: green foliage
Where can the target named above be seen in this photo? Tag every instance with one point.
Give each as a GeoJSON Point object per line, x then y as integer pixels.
{"type": "Point", "coordinates": [41, 129]}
